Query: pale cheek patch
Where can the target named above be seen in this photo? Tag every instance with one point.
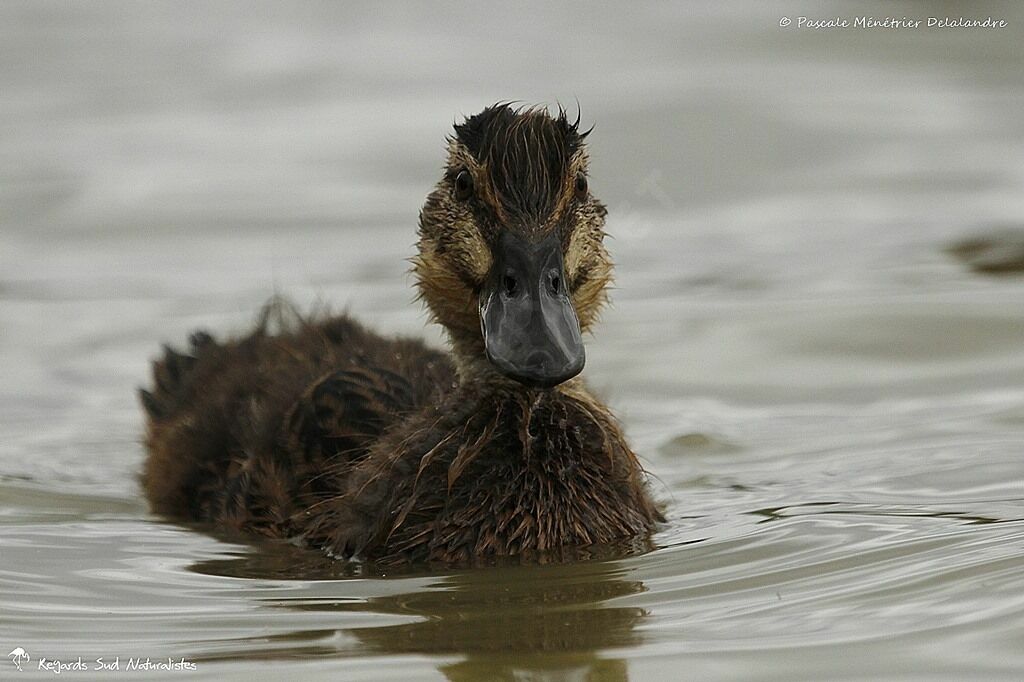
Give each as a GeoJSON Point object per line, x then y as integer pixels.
{"type": "Point", "coordinates": [476, 254]}
{"type": "Point", "coordinates": [576, 254]}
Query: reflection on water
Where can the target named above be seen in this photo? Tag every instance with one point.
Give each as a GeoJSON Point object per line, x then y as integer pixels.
{"type": "Point", "coordinates": [808, 348]}
{"type": "Point", "coordinates": [516, 624]}
{"type": "Point", "coordinates": [527, 622]}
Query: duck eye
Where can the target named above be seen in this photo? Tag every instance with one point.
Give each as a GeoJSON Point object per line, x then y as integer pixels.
{"type": "Point", "coordinates": [463, 185]}
{"type": "Point", "coordinates": [581, 186]}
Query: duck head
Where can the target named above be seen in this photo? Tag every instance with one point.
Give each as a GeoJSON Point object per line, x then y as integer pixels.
{"type": "Point", "coordinates": [511, 257]}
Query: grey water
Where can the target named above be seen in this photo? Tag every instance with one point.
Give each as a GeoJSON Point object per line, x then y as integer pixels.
{"type": "Point", "coordinates": [830, 402]}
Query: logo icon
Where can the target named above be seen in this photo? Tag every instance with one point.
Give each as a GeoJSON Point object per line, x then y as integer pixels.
{"type": "Point", "coordinates": [19, 656]}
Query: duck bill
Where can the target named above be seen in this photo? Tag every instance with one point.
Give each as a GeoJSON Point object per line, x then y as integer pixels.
{"type": "Point", "coordinates": [530, 329]}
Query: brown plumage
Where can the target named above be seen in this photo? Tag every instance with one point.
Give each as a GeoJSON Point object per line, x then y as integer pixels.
{"type": "Point", "coordinates": [318, 430]}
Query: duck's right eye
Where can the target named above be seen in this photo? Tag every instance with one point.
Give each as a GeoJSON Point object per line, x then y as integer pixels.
{"type": "Point", "coordinates": [463, 185]}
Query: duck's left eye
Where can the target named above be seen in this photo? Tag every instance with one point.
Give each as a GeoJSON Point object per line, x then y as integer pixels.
{"type": "Point", "coordinates": [463, 185]}
{"type": "Point", "coordinates": [581, 186]}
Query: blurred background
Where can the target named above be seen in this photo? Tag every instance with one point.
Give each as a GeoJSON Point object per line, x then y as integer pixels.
{"type": "Point", "coordinates": [816, 344]}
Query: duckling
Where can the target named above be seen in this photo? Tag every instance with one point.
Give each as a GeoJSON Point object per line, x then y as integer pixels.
{"type": "Point", "coordinates": [317, 430]}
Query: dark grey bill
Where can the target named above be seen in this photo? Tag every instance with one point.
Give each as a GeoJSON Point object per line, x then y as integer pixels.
{"type": "Point", "coordinates": [531, 332]}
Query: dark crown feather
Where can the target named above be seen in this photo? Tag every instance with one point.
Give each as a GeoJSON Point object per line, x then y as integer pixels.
{"type": "Point", "coordinates": [527, 153]}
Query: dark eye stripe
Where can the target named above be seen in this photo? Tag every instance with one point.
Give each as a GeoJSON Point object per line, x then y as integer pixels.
{"type": "Point", "coordinates": [581, 276]}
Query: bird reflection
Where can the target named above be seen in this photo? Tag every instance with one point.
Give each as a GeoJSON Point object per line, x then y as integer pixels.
{"type": "Point", "coordinates": [509, 623]}
{"type": "Point", "coordinates": [515, 624]}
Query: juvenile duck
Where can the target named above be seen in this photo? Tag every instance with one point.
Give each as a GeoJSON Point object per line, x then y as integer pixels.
{"type": "Point", "coordinates": [322, 432]}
